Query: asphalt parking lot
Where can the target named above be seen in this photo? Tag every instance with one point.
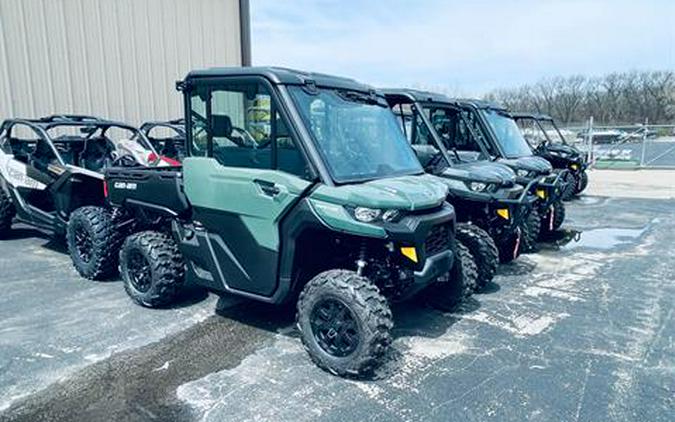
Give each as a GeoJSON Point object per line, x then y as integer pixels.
{"type": "Point", "coordinates": [583, 330]}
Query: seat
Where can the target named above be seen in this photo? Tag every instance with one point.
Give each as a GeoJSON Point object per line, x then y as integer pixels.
{"type": "Point", "coordinates": [221, 126]}
{"type": "Point", "coordinates": [42, 156]}
{"type": "Point", "coordinates": [96, 154]}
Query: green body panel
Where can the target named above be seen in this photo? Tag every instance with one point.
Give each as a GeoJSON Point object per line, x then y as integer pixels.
{"type": "Point", "coordinates": [337, 218]}
{"type": "Point", "coordinates": [406, 192]}
{"type": "Point", "coordinates": [210, 185]}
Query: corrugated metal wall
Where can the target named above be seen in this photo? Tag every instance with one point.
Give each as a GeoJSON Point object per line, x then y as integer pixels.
{"type": "Point", "coordinates": [114, 58]}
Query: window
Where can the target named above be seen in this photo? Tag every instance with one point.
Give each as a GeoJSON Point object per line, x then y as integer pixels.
{"type": "Point", "coordinates": [417, 132]}
{"type": "Point", "coordinates": [356, 134]}
{"type": "Point", "coordinates": [239, 125]}
{"type": "Point", "coordinates": [507, 134]}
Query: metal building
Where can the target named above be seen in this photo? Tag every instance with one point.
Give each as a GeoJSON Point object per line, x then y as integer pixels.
{"type": "Point", "coordinates": [114, 58]}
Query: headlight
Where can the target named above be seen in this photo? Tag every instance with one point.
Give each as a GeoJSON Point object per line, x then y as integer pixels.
{"type": "Point", "coordinates": [522, 172]}
{"type": "Point", "coordinates": [372, 215]}
{"type": "Point", "coordinates": [478, 186]}
{"type": "Point", "coordinates": [391, 215]}
{"type": "Point", "coordinates": [366, 215]}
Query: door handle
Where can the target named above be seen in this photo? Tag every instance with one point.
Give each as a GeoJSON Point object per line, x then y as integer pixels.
{"type": "Point", "coordinates": [268, 188]}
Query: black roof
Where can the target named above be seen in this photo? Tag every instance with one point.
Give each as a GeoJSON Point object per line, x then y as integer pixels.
{"type": "Point", "coordinates": [530, 115]}
{"type": "Point", "coordinates": [283, 76]}
{"type": "Point", "coordinates": [417, 95]}
{"type": "Point", "coordinates": [473, 102]}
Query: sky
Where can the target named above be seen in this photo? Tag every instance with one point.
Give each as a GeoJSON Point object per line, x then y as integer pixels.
{"type": "Point", "coordinates": [463, 47]}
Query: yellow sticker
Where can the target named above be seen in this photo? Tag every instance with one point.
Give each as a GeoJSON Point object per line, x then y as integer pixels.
{"type": "Point", "coordinates": [409, 252]}
{"type": "Point", "coordinates": [541, 193]}
{"type": "Point", "coordinates": [574, 166]}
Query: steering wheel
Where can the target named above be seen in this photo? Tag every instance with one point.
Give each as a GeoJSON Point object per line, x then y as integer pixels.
{"type": "Point", "coordinates": [125, 160]}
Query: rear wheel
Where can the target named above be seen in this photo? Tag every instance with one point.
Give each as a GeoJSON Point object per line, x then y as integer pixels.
{"type": "Point", "coordinates": [583, 182]}
{"type": "Point", "coordinates": [345, 323]}
{"type": "Point", "coordinates": [460, 284]}
{"type": "Point", "coordinates": [93, 242]}
{"type": "Point", "coordinates": [530, 231]}
{"type": "Point", "coordinates": [152, 268]}
{"type": "Point", "coordinates": [7, 213]}
{"type": "Point", "coordinates": [484, 251]}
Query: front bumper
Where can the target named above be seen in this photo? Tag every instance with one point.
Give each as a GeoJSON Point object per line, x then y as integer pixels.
{"type": "Point", "coordinates": [432, 236]}
{"type": "Point", "coordinates": [546, 191]}
{"type": "Point", "coordinates": [500, 216]}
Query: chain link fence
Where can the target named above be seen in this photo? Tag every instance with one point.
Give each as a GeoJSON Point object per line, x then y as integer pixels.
{"type": "Point", "coordinates": [625, 147]}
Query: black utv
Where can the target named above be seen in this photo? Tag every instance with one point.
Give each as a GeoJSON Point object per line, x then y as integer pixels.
{"type": "Point", "coordinates": [501, 138]}
{"type": "Point", "coordinates": [50, 178]}
{"type": "Point", "coordinates": [546, 140]}
{"type": "Point", "coordinates": [491, 208]}
{"type": "Point", "coordinates": [315, 198]}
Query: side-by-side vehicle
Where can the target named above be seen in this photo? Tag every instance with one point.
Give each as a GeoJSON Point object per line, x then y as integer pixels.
{"type": "Point", "coordinates": [500, 137]}
{"type": "Point", "coordinates": [490, 206]}
{"type": "Point", "coordinates": [295, 187]}
{"type": "Point", "coordinates": [51, 178]}
{"type": "Point", "coordinates": [546, 140]}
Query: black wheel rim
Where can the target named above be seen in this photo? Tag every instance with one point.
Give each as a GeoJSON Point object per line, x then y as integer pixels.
{"type": "Point", "coordinates": [83, 243]}
{"type": "Point", "coordinates": [334, 327]}
{"type": "Point", "coordinates": [139, 272]}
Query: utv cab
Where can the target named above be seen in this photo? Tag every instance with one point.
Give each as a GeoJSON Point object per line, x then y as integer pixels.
{"type": "Point", "coordinates": [542, 134]}
{"type": "Point", "coordinates": [490, 206]}
{"type": "Point", "coordinates": [295, 187]}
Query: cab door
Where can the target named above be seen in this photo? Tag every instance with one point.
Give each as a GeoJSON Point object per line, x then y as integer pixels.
{"type": "Point", "coordinates": [239, 182]}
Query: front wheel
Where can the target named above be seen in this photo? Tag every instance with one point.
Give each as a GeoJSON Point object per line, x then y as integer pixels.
{"type": "Point", "coordinates": [484, 251]}
{"type": "Point", "coordinates": [554, 218]}
{"type": "Point", "coordinates": [583, 182]}
{"type": "Point", "coordinates": [510, 246]}
{"type": "Point", "coordinates": [7, 212]}
{"type": "Point", "coordinates": [93, 242]}
{"type": "Point", "coordinates": [152, 268]}
{"type": "Point", "coordinates": [449, 293]}
{"type": "Point", "coordinates": [531, 229]}
{"type": "Point", "coordinates": [345, 323]}
{"type": "Point", "coordinates": [569, 186]}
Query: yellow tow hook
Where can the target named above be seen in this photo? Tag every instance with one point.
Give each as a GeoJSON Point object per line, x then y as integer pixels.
{"type": "Point", "coordinates": [410, 252]}
{"type": "Point", "coordinates": [503, 213]}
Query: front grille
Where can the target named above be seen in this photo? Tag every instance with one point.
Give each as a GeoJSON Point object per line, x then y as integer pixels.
{"type": "Point", "coordinates": [438, 239]}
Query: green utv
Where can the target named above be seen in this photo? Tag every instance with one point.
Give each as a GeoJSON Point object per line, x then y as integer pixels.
{"type": "Point", "coordinates": [499, 137]}
{"type": "Point", "coordinates": [295, 187]}
{"type": "Point", "coordinates": [490, 206]}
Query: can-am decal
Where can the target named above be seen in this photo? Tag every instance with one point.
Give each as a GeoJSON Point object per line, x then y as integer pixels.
{"type": "Point", "coordinates": [15, 173]}
{"type": "Point", "coordinates": [124, 185]}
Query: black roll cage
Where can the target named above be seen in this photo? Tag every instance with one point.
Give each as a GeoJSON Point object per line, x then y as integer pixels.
{"type": "Point", "coordinates": [41, 127]}
{"type": "Point", "coordinates": [538, 118]}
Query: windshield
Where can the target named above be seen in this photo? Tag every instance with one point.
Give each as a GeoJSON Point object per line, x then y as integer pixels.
{"type": "Point", "coordinates": [552, 131]}
{"type": "Point", "coordinates": [508, 134]}
{"type": "Point", "coordinates": [356, 135]}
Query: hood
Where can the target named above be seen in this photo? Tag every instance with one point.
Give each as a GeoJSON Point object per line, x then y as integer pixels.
{"type": "Point", "coordinates": [407, 192]}
{"type": "Point", "coordinates": [530, 163]}
{"type": "Point", "coordinates": [481, 171]}
{"type": "Point", "coordinates": [562, 150]}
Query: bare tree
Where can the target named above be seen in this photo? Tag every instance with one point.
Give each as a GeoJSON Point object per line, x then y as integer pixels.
{"type": "Point", "coordinates": [616, 98]}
